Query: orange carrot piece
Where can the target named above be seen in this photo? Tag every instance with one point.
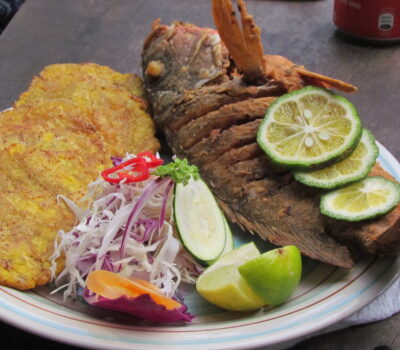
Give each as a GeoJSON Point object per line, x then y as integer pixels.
{"type": "Point", "coordinates": [111, 285]}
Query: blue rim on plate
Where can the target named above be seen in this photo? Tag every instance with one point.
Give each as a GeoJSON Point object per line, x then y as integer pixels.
{"type": "Point", "coordinates": [326, 295]}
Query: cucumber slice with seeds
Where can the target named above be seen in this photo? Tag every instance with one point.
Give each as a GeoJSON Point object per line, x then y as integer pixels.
{"type": "Point", "coordinates": [369, 198]}
{"type": "Point", "coordinates": [309, 128]}
{"type": "Point", "coordinates": [228, 243]}
{"type": "Point", "coordinates": [199, 220]}
{"type": "Point", "coordinates": [354, 168]}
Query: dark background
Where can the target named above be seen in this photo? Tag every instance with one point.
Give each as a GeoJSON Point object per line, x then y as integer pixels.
{"type": "Point", "coordinates": [111, 32]}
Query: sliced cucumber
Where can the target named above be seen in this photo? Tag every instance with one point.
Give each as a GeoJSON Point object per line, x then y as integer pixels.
{"type": "Point", "coordinates": [199, 220]}
{"type": "Point", "coordinates": [228, 242]}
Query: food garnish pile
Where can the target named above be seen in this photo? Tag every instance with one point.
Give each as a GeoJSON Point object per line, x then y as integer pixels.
{"type": "Point", "coordinates": [128, 232]}
{"type": "Point", "coordinates": [138, 241]}
{"type": "Point", "coordinates": [279, 153]}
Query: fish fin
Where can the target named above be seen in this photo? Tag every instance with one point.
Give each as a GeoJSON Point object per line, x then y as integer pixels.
{"type": "Point", "coordinates": [325, 81]}
{"type": "Point", "coordinates": [243, 42]}
{"type": "Point", "coordinates": [294, 77]}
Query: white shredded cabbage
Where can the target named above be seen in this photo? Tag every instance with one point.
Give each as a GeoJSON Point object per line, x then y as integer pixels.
{"type": "Point", "coordinates": [124, 231]}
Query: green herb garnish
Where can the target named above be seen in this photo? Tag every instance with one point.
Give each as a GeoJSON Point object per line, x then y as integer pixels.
{"type": "Point", "coordinates": [179, 170]}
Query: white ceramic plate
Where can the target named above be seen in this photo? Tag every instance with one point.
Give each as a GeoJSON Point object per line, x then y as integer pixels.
{"type": "Point", "coordinates": [326, 295]}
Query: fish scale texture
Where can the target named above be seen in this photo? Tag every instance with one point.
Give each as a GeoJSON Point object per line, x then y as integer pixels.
{"type": "Point", "coordinates": [213, 122]}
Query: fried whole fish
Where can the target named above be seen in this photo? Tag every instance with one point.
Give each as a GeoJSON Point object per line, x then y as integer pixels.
{"type": "Point", "coordinates": [208, 97]}
{"type": "Point", "coordinates": [59, 136]}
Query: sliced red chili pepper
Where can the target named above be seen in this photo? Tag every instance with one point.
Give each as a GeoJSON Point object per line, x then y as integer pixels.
{"type": "Point", "coordinates": [151, 160]}
{"type": "Point", "coordinates": [133, 170]}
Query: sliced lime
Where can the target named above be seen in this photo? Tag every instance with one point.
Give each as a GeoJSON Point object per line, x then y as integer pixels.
{"type": "Point", "coordinates": [225, 287]}
{"type": "Point", "coordinates": [236, 257]}
{"type": "Point", "coordinates": [245, 280]}
{"type": "Point", "coordinates": [309, 128]}
{"type": "Point", "coordinates": [351, 169]}
{"type": "Point", "coordinates": [274, 275]}
{"type": "Point", "coordinates": [222, 285]}
{"type": "Point", "coordinates": [366, 199]}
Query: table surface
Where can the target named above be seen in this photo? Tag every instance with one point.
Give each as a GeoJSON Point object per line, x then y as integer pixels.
{"type": "Point", "coordinates": [112, 32]}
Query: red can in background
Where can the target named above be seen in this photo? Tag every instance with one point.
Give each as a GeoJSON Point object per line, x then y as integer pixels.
{"type": "Point", "coordinates": [374, 20]}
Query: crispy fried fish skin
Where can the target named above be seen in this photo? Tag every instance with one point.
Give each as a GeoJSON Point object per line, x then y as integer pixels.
{"type": "Point", "coordinates": [58, 137]}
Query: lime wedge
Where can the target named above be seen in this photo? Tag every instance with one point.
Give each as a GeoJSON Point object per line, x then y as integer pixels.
{"type": "Point", "coordinates": [235, 257]}
{"type": "Point", "coordinates": [225, 287]}
{"type": "Point", "coordinates": [351, 169]}
{"type": "Point", "coordinates": [366, 199]}
{"type": "Point", "coordinates": [244, 280]}
{"type": "Point", "coordinates": [274, 275]}
{"type": "Point", "coordinates": [222, 285]}
{"type": "Point", "coordinates": [309, 128]}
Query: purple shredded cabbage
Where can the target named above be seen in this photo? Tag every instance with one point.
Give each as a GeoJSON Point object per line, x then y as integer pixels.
{"type": "Point", "coordinates": [116, 160]}
{"type": "Point", "coordinates": [142, 306]}
{"type": "Point", "coordinates": [170, 185]}
{"type": "Point", "coordinates": [149, 226]}
{"type": "Point", "coordinates": [107, 263]}
{"type": "Point", "coordinates": [140, 203]}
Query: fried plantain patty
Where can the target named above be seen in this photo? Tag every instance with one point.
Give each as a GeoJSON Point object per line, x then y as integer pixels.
{"type": "Point", "coordinates": [59, 136]}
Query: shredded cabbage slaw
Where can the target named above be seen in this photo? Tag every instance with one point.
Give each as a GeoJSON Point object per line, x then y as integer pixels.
{"type": "Point", "coordinates": [128, 229]}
